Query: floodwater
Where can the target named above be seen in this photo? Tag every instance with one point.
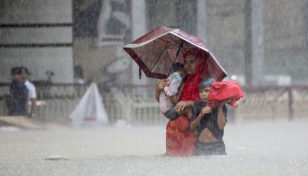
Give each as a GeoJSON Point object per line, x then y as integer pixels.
{"type": "Point", "coordinates": [268, 148]}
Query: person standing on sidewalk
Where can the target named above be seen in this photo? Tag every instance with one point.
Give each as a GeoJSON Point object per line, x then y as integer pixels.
{"type": "Point", "coordinates": [17, 99]}
{"type": "Point", "coordinates": [31, 92]}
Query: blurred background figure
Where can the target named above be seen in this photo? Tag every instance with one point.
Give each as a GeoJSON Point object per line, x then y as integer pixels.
{"type": "Point", "coordinates": [17, 99]}
{"type": "Point", "coordinates": [31, 92]}
{"type": "Point", "coordinates": [78, 75]}
{"type": "Point", "coordinates": [78, 79]}
{"type": "Point", "coordinates": [49, 74]}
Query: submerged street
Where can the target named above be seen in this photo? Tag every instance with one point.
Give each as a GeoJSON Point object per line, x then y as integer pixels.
{"type": "Point", "coordinates": [268, 148]}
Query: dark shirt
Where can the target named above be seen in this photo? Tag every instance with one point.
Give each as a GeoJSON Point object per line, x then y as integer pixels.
{"type": "Point", "coordinates": [18, 99]}
{"type": "Point", "coordinates": [209, 120]}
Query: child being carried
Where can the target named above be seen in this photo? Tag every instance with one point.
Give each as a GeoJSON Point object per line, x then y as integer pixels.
{"type": "Point", "coordinates": [165, 101]}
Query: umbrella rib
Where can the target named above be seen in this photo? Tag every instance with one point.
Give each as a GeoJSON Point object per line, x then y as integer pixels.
{"type": "Point", "coordinates": [177, 53]}
{"type": "Point", "coordinates": [167, 42]}
{"type": "Point", "coordinates": [176, 42]}
{"type": "Point", "coordinates": [186, 47]}
{"type": "Point", "coordinates": [158, 59]}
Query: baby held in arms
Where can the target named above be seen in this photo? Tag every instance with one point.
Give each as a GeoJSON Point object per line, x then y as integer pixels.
{"type": "Point", "coordinates": [170, 95]}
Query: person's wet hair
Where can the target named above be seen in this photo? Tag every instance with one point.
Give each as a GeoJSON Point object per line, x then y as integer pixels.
{"type": "Point", "coordinates": [16, 70]}
{"type": "Point", "coordinates": [26, 70]}
{"type": "Point", "coordinates": [177, 67]}
{"type": "Point", "coordinates": [206, 82]}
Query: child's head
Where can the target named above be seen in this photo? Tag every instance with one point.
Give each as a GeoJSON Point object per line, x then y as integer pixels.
{"type": "Point", "coordinates": [205, 87]}
{"type": "Point", "coordinates": [178, 67]}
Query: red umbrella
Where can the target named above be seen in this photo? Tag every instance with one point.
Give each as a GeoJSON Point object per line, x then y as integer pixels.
{"type": "Point", "coordinates": [157, 50]}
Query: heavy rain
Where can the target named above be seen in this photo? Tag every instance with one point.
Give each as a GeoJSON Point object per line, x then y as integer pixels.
{"type": "Point", "coordinates": [153, 87]}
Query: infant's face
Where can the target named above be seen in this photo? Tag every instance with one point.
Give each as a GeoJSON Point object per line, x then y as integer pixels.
{"type": "Point", "coordinates": [182, 73]}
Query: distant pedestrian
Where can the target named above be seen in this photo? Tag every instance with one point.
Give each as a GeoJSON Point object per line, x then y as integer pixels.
{"type": "Point", "coordinates": [79, 81]}
{"type": "Point", "coordinates": [31, 92]}
{"type": "Point", "coordinates": [17, 100]}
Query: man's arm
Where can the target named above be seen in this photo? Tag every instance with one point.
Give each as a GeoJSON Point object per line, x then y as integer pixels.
{"type": "Point", "coordinates": [24, 97]}
{"type": "Point", "coordinates": [33, 104]}
{"type": "Point", "coordinates": [32, 95]}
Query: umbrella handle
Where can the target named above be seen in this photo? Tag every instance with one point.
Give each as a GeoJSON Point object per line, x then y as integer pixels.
{"type": "Point", "coordinates": [139, 72]}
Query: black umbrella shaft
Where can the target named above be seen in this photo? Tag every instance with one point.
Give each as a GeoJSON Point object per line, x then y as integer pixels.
{"type": "Point", "coordinates": [177, 54]}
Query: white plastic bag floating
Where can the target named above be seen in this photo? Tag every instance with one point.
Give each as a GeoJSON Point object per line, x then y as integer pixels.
{"type": "Point", "coordinates": [90, 107]}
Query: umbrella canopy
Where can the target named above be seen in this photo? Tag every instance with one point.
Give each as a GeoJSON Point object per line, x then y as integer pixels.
{"type": "Point", "coordinates": [156, 51]}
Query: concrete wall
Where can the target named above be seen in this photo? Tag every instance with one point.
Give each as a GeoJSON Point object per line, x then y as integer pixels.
{"type": "Point", "coordinates": [285, 36]}
{"type": "Point", "coordinates": [95, 61]}
{"type": "Point", "coordinates": [284, 30]}
{"type": "Point", "coordinates": [36, 11]}
{"type": "Point", "coordinates": [225, 33]}
{"type": "Point", "coordinates": [37, 59]}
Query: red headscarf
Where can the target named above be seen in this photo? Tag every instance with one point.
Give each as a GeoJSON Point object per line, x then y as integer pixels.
{"type": "Point", "coordinates": [190, 90]}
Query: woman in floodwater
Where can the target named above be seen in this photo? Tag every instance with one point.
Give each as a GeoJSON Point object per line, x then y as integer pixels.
{"type": "Point", "coordinates": [180, 140]}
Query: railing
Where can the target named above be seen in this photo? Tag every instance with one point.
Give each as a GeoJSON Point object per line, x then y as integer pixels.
{"type": "Point", "coordinates": [137, 105]}
{"type": "Point", "coordinates": [273, 102]}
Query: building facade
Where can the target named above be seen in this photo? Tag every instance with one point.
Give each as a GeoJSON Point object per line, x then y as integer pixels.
{"type": "Point", "coordinates": [37, 34]}
{"type": "Point", "coordinates": [89, 34]}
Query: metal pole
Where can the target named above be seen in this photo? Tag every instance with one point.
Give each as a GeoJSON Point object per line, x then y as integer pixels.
{"type": "Point", "coordinates": [291, 110]}
{"type": "Point", "coordinates": [248, 43]}
{"type": "Point", "coordinates": [177, 53]}
{"type": "Point", "coordinates": [257, 43]}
